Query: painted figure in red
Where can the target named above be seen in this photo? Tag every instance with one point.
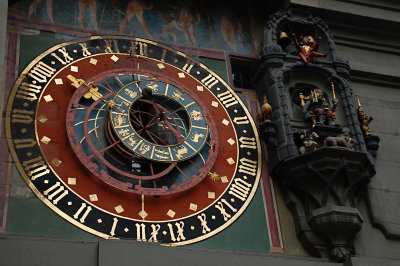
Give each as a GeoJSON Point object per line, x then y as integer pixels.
{"type": "Point", "coordinates": [307, 47]}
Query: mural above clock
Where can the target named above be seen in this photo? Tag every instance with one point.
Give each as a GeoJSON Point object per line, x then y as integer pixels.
{"type": "Point", "coordinates": [189, 23]}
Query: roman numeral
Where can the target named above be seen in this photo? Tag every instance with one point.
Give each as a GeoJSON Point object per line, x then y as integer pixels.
{"type": "Point", "coordinates": [247, 166]}
{"type": "Point", "coordinates": [67, 59]}
{"type": "Point", "coordinates": [24, 143]}
{"type": "Point", "coordinates": [154, 232]}
{"type": "Point", "coordinates": [246, 142]}
{"type": "Point", "coordinates": [40, 72]}
{"type": "Point", "coordinates": [188, 66]}
{"type": "Point", "coordinates": [164, 53]}
{"type": "Point", "coordinates": [28, 91]}
{"type": "Point", "coordinates": [203, 220]}
{"type": "Point", "coordinates": [114, 225]}
{"type": "Point", "coordinates": [141, 46]}
{"type": "Point", "coordinates": [140, 232]}
{"type": "Point", "coordinates": [179, 226]}
{"type": "Point", "coordinates": [85, 209]}
{"type": "Point", "coordinates": [35, 168]}
{"type": "Point", "coordinates": [241, 120]}
{"type": "Point", "coordinates": [227, 99]}
{"type": "Point", "coordinates": [85, 51]}
{"type": "Point", "coordinates": [209, 81]}
{"type": "Point", "coordinates": [240, 189]}
{"type": "Point", "coordinates": [221, 208]}
{"type": "Point", "coordinates": [21, 116]}
{"type": "Point", "coordinates": [54, 190]}
{"type": "Point", "coordinates": [109, 46]}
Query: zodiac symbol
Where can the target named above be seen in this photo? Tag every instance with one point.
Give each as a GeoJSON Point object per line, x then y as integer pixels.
{"type": "Point", "coordinates": [123, 132]}
{"type": "Point", "coordinates": [162, 152]}
{"type": "Point", "coordinates": [196, 137]}
{"type": "Point", "coordinates": [131, 93]}
{"type": "Point", "coordinates": [153, 86]}
{"type": "Point", "coordinates": [180, 152]}
{"type": "Point", "coordinates": [119, 120]}
{"type": "Point", "coordinates": [196, 115]}
{"type": "Point", "coordinates": [177, 95]}
{"type": "Point", "coordinates": [132, 142]}
{"type": "Point", "coordinates": [144, 148]}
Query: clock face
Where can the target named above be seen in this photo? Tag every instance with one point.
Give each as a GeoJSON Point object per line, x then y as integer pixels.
{"type": "Point", "coordinates": [127, 138]}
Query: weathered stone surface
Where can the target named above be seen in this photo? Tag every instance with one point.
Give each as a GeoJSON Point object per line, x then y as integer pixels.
{"type": "Point", "coordinates": [384, 215]}
{"type": "Point", "coordinates": [384, 188]}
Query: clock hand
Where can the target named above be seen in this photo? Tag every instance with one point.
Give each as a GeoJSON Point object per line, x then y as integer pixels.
{"type": "Point", "coordinates": [92, 92]}
{"type": "Point", "coordinates": [147, 94]}
{"type": "Point", "coordinates": [164, 120]}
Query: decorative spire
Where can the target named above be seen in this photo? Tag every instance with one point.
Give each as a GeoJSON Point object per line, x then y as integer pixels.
{"type": "Point", "coordinates": [358, 100]}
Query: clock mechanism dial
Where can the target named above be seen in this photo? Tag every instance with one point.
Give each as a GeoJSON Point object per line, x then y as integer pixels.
{"type": "Point", "coordinates": [128, 138]}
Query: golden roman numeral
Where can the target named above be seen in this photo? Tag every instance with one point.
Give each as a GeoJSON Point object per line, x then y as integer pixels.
{"type": "Point", "coordinates": [35, 168]}
{"type": "Point", "coordinates": [203, 220]}
{"type": "Point", "coordinates": [221, 208]}
{"type": "Point", "coordinates": [55, 190]}
{"type": "Point", "coordinates": [114, 226]}
{"type": "Point", "coordinates": [179, 225]}
{"type": "Point", "coordinates": [85, 209]}
{"type": "Point", "coordinates": [109, 45]}
{"type": "Point", "coordinates": [67, 58]}
{"type": "Point", "coordinates": [21, 116]}
{"type": "Point", "coordinates": [240, 189]}
{"type": "Point", "coordinates": [85, 51]}
{"type": "Point", "coordinates": [41, 72]}
{"type": "Point", "coordinates": [246, 142]}
{"type": "Point", "coordinates": [141, 46]}
{"type": "Point", "coordinates": [227, 99]}
{"type": "Point", "coordinates": [188, 66]}
{"type": "Point", "coordinates": [24, 143]}
{"type": "Point", "coordinates": [209, 81]}
{"type": "Point", "coordinates": [164, 53]}
{"type": "Point", "coordinates": [28, 91]}
{"type": "Point", "coordinates": [241, 120]}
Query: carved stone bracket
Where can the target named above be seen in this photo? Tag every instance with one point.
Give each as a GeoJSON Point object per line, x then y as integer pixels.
{"type": "Point", "coordinates": [337, 225]}
{"type": "Point", "coordinates": [268, 132]}
{"type": "Point", "coordinates": [372, 143]}
{"type": "Point", "coordinates": [327, 182]}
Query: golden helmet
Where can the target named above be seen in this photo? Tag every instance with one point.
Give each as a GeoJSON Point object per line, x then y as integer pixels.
{"type": "Point", "coordinates": [311, 38]}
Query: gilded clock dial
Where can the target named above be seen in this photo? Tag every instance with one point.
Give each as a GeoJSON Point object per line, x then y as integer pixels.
{"type": "Point", "coordinates": [158, 144]}
{"type": "Point", "coordinates": [127, 138]}
{"type": "Point", "coordinates": [146, 121]}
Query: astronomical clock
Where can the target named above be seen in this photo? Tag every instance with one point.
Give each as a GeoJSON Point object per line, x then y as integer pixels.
{"type": "Point", "coordinates": [128, 138]}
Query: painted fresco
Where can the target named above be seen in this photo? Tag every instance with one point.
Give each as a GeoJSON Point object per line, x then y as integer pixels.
{"type": "Point", "coordinates": [189, 23]}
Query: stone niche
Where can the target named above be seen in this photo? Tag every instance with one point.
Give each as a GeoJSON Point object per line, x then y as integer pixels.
{"type": "Point", "coordinates": [316, 148]}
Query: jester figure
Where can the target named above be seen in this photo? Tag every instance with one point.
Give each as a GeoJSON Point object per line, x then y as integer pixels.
{"type": "Point", "coordinates": [307, 47]}
{"type": "Point", "coordinates": [317, 108]}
